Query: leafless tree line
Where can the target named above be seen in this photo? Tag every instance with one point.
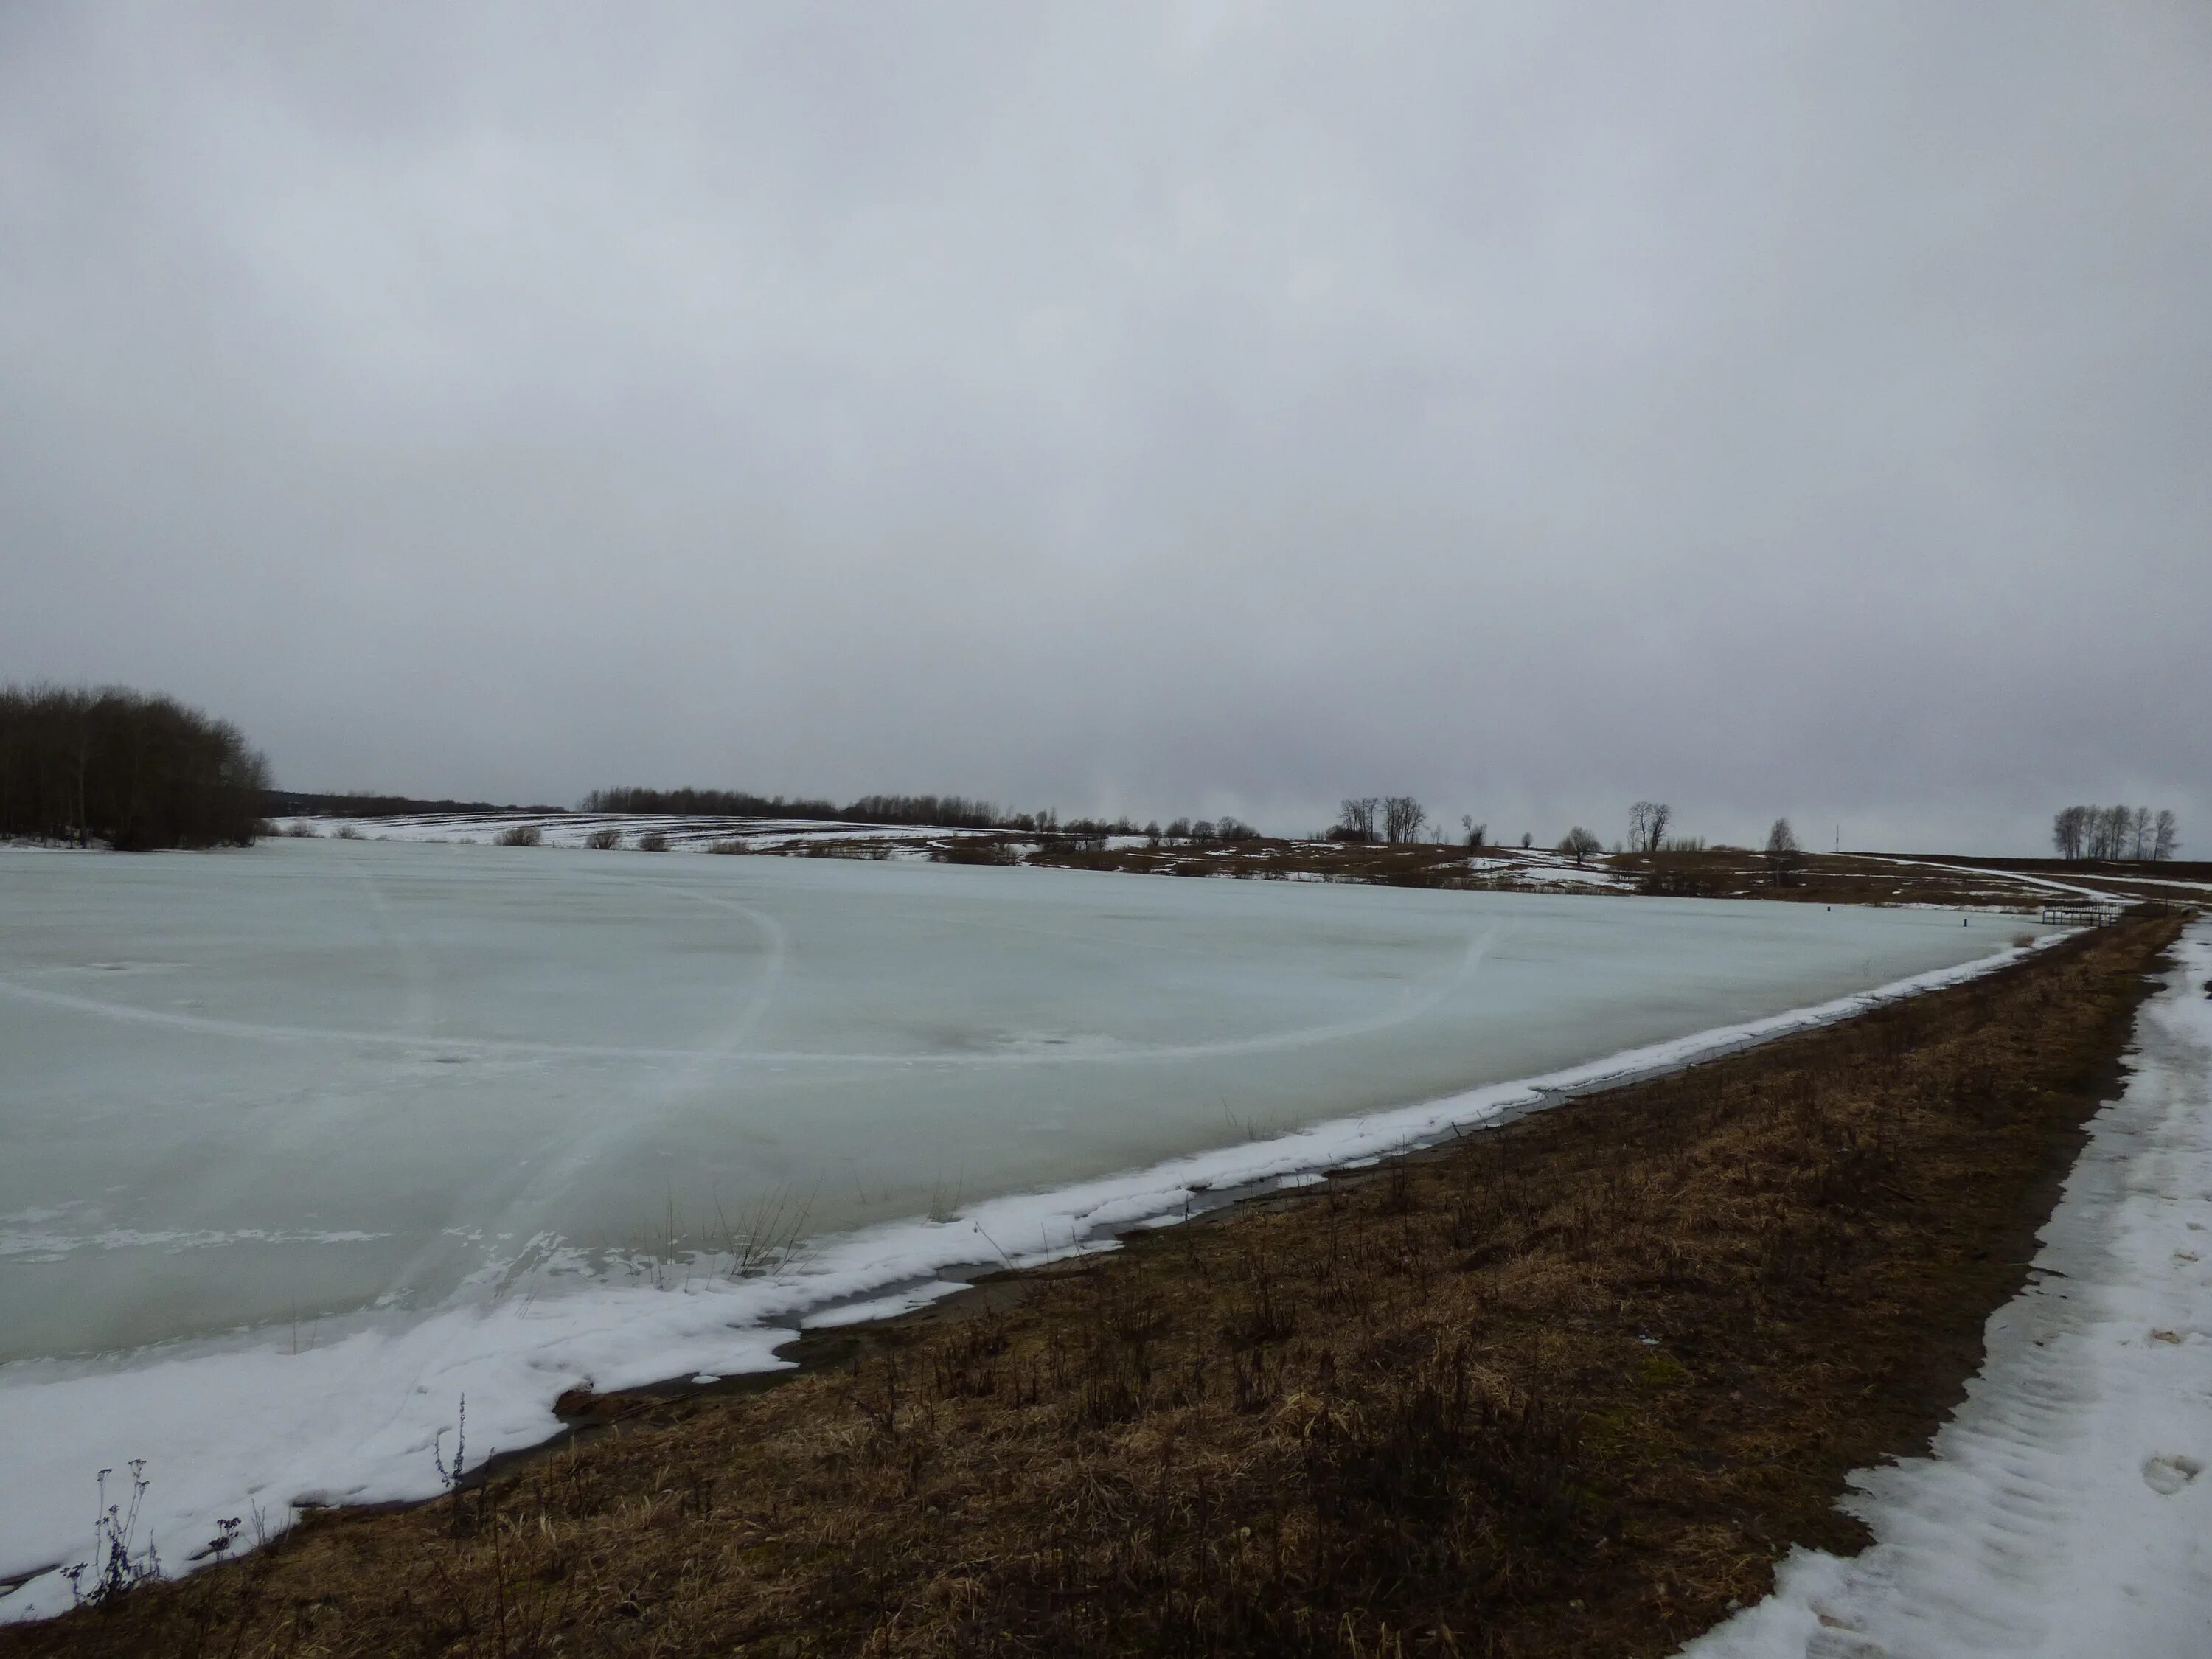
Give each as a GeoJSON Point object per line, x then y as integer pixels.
{"type": "Point", "coordinates": [119, 766]}
{"type": "Point", "coordinates": [1395, 819]}
{"type": "Point", "coordinates": [2116, 833]}
{"type": "Point", "coordinates": [946, 811]}
{"type": "Point", "coordinates": [1224, 828]}
{"type": "Point", "coordinates": [361, 804]}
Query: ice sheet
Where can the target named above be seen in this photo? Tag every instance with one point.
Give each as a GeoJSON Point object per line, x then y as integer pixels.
{"type": "Point", "coordinates": [351, 1129]}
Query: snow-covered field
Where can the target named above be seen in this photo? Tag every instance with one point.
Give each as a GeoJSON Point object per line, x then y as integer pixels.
{"type": "Point", "coordinates": [2065, 1509]}
{"type": "Point", "coordinates": [682, 834]}
{"type": "Point", "coordinates": [308, 1142]}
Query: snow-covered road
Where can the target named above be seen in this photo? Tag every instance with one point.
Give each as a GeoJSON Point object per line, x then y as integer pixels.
{"type": "Point", "coordinates": [2066, 1508]}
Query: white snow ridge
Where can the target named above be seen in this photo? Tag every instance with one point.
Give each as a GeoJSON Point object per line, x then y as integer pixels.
{"type": "Point", "coordinates": [2065, 1509]}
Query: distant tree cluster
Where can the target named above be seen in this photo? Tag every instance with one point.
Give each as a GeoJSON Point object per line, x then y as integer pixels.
{"type": "Point", "coordinates": [1647, 825]}
{"type": "Point", "coordinates": [1222, 829]}
{"type": "Point", "coordinates": [942, 811]}
{"type": "Point", "coordinates": [359, 804]}
{"type": "Point", "coordinates": [1396, 820]}
{"type": "Point", "coordinates": [135, 771]}
{"type": "Point", "coordinates": [946, 811]}
{"type": "Point", "coordinates": [2116, 833]}
{"type": "Point", "coordinates": [1579, 844]}
{"type": "Point", "coordinates": [954, 811]}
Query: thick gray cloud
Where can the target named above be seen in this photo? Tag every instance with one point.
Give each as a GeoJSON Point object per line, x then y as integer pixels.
{"type": "Point", "coordinates": [1771, 408]}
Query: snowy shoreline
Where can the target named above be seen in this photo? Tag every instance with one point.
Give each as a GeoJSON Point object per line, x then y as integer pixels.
{"type": "Point", "coordinates": [2061, 1510]}
{"type": "Point", "coordinates": [258, 1430]}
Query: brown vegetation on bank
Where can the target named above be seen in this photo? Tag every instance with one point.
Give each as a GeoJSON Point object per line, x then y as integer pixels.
{"type": "Point", "coordinates": [1567, 1387]}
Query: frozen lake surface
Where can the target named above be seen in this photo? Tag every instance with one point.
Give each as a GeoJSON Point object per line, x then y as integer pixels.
{"type": "Point", "coordinates": [350, 1128]}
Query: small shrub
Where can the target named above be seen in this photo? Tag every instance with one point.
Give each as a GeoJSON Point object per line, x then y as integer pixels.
{"type": "Point", "coordinates": [347, 832]}
{"type": "Point", "coordinates": [732, 845]}
{"type": "Point", "coordinates": [653, 842]}
{"type": "Point", "coordinates": [604, 841]}
{"type": "Point", "coordinates": [119, 1563]}
{"type": "Point", "coordinates": [522, 834]}
{"type": "Point", "coordinates": [301, 829]}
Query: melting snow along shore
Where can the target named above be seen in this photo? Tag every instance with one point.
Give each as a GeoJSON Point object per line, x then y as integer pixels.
{"type": "Point", "coordinates": [2066, 1508]}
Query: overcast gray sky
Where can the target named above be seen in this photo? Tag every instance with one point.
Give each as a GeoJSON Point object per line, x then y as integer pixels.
{"type": "Point", "coordinates": [1768, 408]}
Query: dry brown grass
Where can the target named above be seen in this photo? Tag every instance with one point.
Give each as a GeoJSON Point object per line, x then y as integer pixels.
{"type": "Point", "coordinates": [1569, 1388]}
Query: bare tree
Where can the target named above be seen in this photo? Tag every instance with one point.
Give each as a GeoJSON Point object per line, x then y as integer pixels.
{"type": "Point", "coordinates": [1647, 824]}
{"type": "Point", "coordinates": [1477, 834]}
{"type": "Point", "coordinates": [2113, 833]}
{"type": "Point", "coordinates": [1402, 819]}
{"type": "Point", "coordinates": [1355, 818]}
{"type": "Point", "coordinates": [1782, 852]}
{"type": "Point", "coordinates": [1579, 844]}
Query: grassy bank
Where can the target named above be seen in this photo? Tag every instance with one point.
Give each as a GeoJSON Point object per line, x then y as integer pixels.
{"type": "Point", "coordinates": [1566, 1388]}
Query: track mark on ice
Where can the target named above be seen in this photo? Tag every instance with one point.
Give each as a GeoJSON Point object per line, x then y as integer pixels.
{"type": "Point", "coordinates": [450, 1047]}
